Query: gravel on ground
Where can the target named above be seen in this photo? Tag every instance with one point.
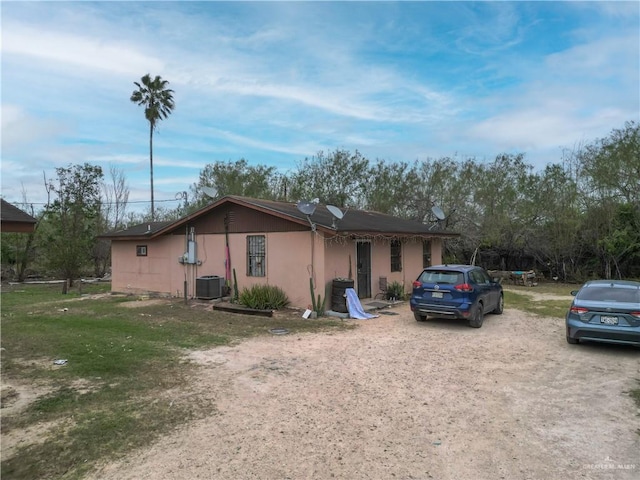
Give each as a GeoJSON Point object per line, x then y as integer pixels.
{"type": "Point", "coordinates": [400, 399]}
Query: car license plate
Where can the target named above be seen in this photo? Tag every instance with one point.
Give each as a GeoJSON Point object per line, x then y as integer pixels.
{"type": "Point", "coordinates": [436, 294]}
{"type": "Point", "coordinates": [608, 320]}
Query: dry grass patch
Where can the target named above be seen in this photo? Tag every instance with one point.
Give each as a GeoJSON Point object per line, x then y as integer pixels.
{"type": "Point", "coordinates": [126, 380]}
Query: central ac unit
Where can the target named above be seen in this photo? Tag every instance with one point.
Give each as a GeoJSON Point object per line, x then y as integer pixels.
{"type": "Point", "coordinates": [209, 287]}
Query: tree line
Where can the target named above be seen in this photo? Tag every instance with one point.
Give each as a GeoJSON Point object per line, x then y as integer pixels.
{"type": "Point", "coordinates": [574, 220]}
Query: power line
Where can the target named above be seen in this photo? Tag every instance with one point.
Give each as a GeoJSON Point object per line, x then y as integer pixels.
{"type": "Point", "coordinates": [103, 203]}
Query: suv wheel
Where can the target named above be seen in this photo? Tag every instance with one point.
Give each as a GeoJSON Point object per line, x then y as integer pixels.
{"type": "Point", "coordinates": [418, 317]}
{"type": "Point", "coordinates": [500, 308]}
{"type": "Point", "coordinates": [477, 317]}
{"type": "Point", "coordinates": [572, 341]}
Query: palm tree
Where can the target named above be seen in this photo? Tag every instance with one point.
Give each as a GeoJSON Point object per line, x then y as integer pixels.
{"type": "Point", "coordinates": [158, 105]}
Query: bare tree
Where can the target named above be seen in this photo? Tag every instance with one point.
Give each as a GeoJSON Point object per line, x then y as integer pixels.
{"type": "Point", "coordinates": [116, 198]}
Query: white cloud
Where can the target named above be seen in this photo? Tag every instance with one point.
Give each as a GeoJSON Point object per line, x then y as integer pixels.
{"type": "Point", "coordinates": [488, 28]}
{"type": "Point", "coordinates": [88, 52]}
{"type": "Point", "coordinates": [274, 83]}
{"type": "Point", "coordinates": [598, 58]}
{"type": "Point", "coordinates": [119, 158]}
{"type": "Point", "coordinates": [20, 128]}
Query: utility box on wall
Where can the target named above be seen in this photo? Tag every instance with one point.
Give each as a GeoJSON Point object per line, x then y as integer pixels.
{"type": "Point", "coordinates": [209, 287]}
{"type": "Point", "coordinates": [192, 256]}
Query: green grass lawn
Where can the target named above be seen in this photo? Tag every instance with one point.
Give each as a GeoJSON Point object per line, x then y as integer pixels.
{"type": "Point", "coordinates": [546, 308]}
{"type": "Point", "coordinates": [523, 298]}
{"type": "Point", "coordinates": [111, 396]}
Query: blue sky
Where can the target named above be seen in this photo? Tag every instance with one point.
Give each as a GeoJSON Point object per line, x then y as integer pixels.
{"type": "Point", "coordinates": [275, 82]}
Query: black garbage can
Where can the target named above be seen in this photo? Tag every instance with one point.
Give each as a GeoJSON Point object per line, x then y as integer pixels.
{"type": "Point", "coordinates": [338, 295]}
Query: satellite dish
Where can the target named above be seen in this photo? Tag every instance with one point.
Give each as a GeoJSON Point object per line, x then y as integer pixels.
{"type": "Point", "coordinates": [306, 207]}
{"type": "Point", "coordinates": [437, 211]}
{"type": "Point", "coordinates": [335, 211]}
{"type": "Point", "coordinates": [210, 192]}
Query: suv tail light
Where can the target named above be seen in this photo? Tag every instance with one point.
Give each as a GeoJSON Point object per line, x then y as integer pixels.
{"type": "Point", "coordinates": [417, 284]}
{"type": "Point", "coordinates": [463, 287]}
{"type": "Point", "coordinates": [635, 314]}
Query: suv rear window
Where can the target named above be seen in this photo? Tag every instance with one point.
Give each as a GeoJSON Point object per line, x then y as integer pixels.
{"type": "Point", "coordinates": [442, 276]}
{"type": "Point", "coordinates": [610, 294]}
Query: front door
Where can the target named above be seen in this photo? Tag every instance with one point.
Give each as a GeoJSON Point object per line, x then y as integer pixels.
{"type": "Point", "coordinates": [363, 261]}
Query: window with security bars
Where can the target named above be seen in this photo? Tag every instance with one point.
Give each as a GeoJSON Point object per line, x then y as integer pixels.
{"type": "Point", "coordinates": [426, 254]}
{"type": "Point", "coordinates": [396, 256]}
{"type": "Point", "coordinates": [256, 256]}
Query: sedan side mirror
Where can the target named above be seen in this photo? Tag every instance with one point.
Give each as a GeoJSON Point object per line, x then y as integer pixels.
{"type": "Point", "coordinates": [574, 292]}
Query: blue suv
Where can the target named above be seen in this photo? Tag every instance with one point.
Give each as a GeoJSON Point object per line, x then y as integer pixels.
{"type": "Point", "coordinates": [456, 291]}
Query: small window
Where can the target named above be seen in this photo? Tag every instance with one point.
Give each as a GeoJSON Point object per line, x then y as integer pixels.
{"type": "Point", "coordinates": [426, 253]}
{"type": "Point", "coordinates": [256, 256]}
{"type": "Point", "coordinates": [396, 256]}
{"type": "Point", "coordinates": [141, 250]}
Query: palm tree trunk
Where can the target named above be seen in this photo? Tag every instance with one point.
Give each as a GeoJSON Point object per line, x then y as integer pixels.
{"type": "Point", "coordinates": [153, 216]}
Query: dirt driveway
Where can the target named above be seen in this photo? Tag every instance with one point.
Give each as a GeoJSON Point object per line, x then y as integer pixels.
{"type": "Point", "coordinates": [397, 399]}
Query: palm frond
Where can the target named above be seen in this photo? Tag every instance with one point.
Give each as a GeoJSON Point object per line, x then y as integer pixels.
{"type": "Point", "coordinates": [154, 95]}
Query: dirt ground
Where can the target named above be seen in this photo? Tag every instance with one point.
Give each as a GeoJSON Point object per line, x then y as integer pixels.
{"type": "Point", "coordinates": [398, 399]}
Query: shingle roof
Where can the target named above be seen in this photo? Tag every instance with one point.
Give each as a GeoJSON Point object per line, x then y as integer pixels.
{"type": "Point", "coordinates": [11, 213]}
{"type": "Point", "coordinates": [354, 222]}
{"type": "Point", "coordinates": [141, 230]}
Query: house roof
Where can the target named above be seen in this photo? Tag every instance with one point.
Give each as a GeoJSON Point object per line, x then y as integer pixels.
{"type": "Point", "coordinates": [142, 230]}
{"type": "Point", "coordinates": [357, 223]}
{"type": "Point", "coordinates": [12, 219]}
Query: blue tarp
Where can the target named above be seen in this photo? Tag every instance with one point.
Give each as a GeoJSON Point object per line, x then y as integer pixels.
{"type": "Point", "coordinates": [355, 307]}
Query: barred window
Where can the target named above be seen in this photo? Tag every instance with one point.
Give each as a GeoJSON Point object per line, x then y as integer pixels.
{"type": "Point", "coordinates": [141, 250]}
{"type": "Point", "coordinates": [396, 256]}
{"type": "Point", "coordinates": [256, 256]}
{"type": "Point", "coordinates": [426, 253]}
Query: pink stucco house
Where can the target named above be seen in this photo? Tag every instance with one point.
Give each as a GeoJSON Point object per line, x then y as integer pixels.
{"type": "Point", "coordinates": [269, 242]}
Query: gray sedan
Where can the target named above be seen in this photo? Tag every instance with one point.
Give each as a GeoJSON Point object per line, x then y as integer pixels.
{"type": "Point", "coordinates": [605, 311]}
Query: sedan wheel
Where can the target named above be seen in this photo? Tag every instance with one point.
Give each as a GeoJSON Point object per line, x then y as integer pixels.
{"type": "Point", "coordinates": [477, 317]}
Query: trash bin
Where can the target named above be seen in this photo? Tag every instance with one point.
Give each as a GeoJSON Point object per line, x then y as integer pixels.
{"type": "Point", "coordinates": [209, 287]}
{"type": "Point", "coordinates": [338, 295]}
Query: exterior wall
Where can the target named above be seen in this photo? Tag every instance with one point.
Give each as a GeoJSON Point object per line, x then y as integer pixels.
{"type": "Point", "coordinates": [210, 254]}
{"type": "Point", "coordinates": [411, 252]}
{"type": "Point", "coordinates": [18, 227]}
{"type": "Point", "coordinates": [436, 251]}
{"type": "Point", "coordinates": [412, 263]}
{"type": "Point", "coordinates": [338, 255]}
{"type": "Point", "coordinates": [242, 220]}
{"type": "Point", "coordinates": [289, 263]}
{"type": "Point", "coordinates": [339, 261]}
{"type": "Point", "coordinates": [156, 272]}
{"type": "Point", "coordinates": [160, 272]}
{"type": "Point", "coordinates": [381, 265]}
